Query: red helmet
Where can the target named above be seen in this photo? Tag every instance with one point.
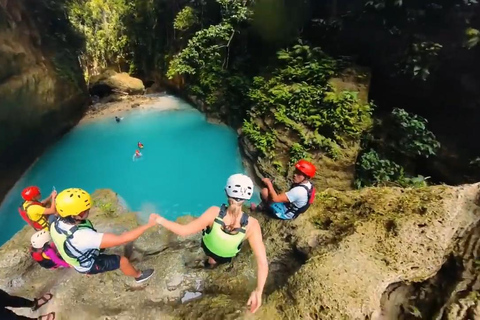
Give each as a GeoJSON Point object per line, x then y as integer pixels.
{"type": "Point", "coordinates": [305, 167]}
{"type": "Point", "coordinates": [29, 193]}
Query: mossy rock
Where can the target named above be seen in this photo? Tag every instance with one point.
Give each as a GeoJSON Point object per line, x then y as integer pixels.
{"type": "Point", "coordinates": [111, 81]}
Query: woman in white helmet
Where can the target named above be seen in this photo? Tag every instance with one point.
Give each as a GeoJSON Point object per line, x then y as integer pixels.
{"type": "Point", "coordinates": [44, 252]}
{"type": "Point", "coordinates": [225, 229]}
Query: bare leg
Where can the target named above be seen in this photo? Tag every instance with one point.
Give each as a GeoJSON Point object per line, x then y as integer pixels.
{"type": "Point", "coordinates": [128, 269]}
{"type": "Point", "coordinates": [264, 195]}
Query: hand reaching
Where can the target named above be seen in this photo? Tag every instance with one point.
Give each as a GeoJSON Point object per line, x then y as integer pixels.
{"type": "Point", "coordinates": [255, 301]}
{"type": "Point", "coordinates": [53, 194]}
{"type": "Point", "coordinates": [152, 220]}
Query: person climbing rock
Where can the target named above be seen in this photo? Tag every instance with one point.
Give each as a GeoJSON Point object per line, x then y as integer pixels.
{"type": "Point", "coordinates": [35, 212]}
{"type": "Point", "coordinates": [79, 243]}
{"type": "Point", "coordinates": [7, 300]}
{"type": "Point", "coordinates": [225, 229]}
{"type": "Point", "coordinates": [45, 252]}
{"type": "Point", "coordinates": [297, 200]}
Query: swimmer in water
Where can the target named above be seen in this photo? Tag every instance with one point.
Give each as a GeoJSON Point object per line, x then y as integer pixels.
{"type": "Point", "coordinates": [140, 145]}
{"type": "Point", "coordinates": [137, 154]}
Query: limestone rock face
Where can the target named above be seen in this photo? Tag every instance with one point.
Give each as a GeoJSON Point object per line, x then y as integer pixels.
{"type": "Point", "coordinates": [111, 81]}
{"type": "Point", "coordinates": [360, 244]}
{"type": "Point", "coordinates": [352, 255]}
{"type": "Point", "coordinates": [42, 89]}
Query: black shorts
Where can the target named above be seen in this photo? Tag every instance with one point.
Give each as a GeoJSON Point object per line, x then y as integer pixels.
{"type": "Point", "coordinates": [104, 263]}
{"type": "Point", "coordinates": [218, 259]}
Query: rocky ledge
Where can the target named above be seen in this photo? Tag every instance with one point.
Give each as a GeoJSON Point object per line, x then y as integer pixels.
{"type": "Point", "coordinates": [378, 253]}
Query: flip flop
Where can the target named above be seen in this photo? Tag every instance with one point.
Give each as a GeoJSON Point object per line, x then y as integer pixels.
{"type": "Point", "coordinates": [48, 316]}
{"type": "Point", "coordinates": [41, 301]}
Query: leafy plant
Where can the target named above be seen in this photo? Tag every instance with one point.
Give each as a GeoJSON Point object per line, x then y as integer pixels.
{"type": "Point", "coordinates": [420, 59]}
{"type": "Point", "coordinates": [472, 37]}
{"type": "Point", "coordinates": [185, 19]}
{"type": "Point", "coordinates": [372, 170]}
{"type": "Point", "coordinates": [101, 23]}
{"type": "Point", "coordinates": [263, 141]}
{"type": "Point", "coordinates": [410, 136]}
{"type": "Point", "coordinates": [297, 152]}
{"type": "Point", "coordinates": [298, 96]}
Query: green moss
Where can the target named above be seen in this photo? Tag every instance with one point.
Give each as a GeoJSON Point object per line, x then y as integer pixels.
{"type": "Point", "coordinates": [340, 212]}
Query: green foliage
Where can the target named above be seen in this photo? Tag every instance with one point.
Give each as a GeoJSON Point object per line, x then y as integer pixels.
{"type": "Point", "coordinates": [420, 59]}
{"type": "Point", "coordinates": [372, 170]}
{"type": "Point", "coordinates": [207, 49]}
{"type": "Point", "coordinates": [472, 37]}
{"type": "Point", "coordinates": [395, 143]}
{"type": "Point", "coordinates": [204, 50]}
{"type": "Point", "coordinates": [298, 96]}
{"type": "Point", "coordinates": [185, 19]}
{"type": "Point", "coordinates": [410, 136]}
{"type": "Point", "coordinates": [263, 141]}
{"type": "Point", "coordinates": [297, 152]}
{"type": "Point", "coordinates": [101, 23]}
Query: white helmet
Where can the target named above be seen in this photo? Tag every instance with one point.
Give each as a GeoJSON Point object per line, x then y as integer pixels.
{"type": "Point", "coordinates": [39, 239]}
{"type": "Point", "coordinates": [239, 186]}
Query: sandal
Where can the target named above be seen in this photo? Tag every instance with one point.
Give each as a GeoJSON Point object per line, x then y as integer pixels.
{"type": "Point", "coordinates": [38, 303]}
{"type": "Point", "coordinates": [48, 316]}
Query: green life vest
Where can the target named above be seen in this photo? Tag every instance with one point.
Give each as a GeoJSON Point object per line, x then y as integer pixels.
{"type": "Point", "coordinates": [221, 243]}
{"type": "Point", "coordinates": [62, 239]}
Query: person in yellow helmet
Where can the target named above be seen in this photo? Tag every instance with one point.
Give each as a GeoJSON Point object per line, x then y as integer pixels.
{"type": "Point", "coordinates": [79, 243]}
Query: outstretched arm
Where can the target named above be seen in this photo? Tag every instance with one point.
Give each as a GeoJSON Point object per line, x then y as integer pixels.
{"type": "Point", "coordinates": [192, 227]}
{"type": "Point", "coordinates": [256, 243]}
{"type": "Point", "coordinates": [112, 240]}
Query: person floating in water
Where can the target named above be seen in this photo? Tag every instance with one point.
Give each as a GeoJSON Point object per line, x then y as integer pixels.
{"type": "Point", "coordinates": [140, 145]}
{"type": "Point", "coordinates": [7, 300]}
{"type": "Point", "coordinates": [45, 252]}
{"type": "Point", "coordinates": [225, 229]}
{"type": "Point", "coordinates": [118, 119]}
{"type": "Point", "coordinates": [290, 204]}
{"type": "Point", "coordinates": [35, 212]}
{"type": "Point", "coordinates": [79, 244]}
{"type": "Point", "coordinates": [137, 155]}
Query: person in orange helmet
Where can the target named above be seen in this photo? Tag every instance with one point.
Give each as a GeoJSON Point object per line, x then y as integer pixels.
{"type": "Point", "coordinates": [34, 211]}
{"type": "Point", "coordinates": [289, 205]}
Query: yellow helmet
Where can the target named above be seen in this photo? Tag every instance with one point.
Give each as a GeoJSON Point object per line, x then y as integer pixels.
{"type": "Point", "coordinates": [72, 202]}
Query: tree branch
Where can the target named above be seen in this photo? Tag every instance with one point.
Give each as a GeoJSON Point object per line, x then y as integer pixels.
{"type": "Point", "coordinates": [227, 58]}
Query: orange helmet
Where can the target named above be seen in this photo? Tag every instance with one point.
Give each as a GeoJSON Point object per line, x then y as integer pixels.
{"type": "Point", "coordinates": [306, 167]}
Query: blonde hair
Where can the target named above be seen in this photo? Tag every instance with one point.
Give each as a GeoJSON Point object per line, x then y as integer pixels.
{"type": "Point", "coordinates": [235, 209]}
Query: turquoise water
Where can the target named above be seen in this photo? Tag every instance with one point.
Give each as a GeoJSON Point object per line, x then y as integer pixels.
{"type": "Point", "coordinates": [183, 170]}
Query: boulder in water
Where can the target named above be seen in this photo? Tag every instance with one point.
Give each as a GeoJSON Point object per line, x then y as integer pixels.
{"type": "Point", "coordinates": [111, 81]}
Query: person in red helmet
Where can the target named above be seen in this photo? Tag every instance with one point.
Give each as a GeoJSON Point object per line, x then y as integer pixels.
{"type": "Point", "coordinates": [35, 211]}
{"type": "Point", "coordinates": [290, 204]}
